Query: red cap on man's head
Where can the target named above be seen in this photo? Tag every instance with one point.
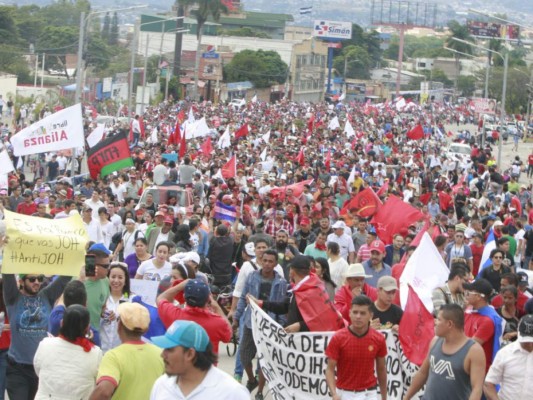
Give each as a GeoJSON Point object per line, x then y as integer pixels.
{"type": "Point", "coordinates": [377, 245]}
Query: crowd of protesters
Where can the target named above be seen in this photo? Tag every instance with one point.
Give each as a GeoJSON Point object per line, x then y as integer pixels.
{"type": "Point", "coordinates": [294, 237]}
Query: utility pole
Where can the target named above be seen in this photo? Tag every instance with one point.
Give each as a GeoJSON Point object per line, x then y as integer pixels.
{"type": "Point", "coordinates": [179, 39]}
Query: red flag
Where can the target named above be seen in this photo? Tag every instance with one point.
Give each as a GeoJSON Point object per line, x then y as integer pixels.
{"type": "Point", "coordinates": [445, 201]}
{"type": "Point", "coordinates": [183, 147]}
{"type": "Point", "coordinates": [383, 189]}
{"type": "Point", "coordinates": [366, 202]}
{"type": "Point", "coordinates": [300, 158]}
{"type": "Point", "coordinates": [207, 147]}
{"type": "Point", "coordinates": [177, 133]}
{"type": "Point", "coordinates": [425, 198]}
{"type": "Point", "coordinates": [297, 189]}
{"type": "Point", "coordinates": [455, 188]}
{"type": "Point", "coordinates": [328, 160]}
{"type": "Point", "coordinates": [242, 132]}
{"type": "Point", "coordinates": [229, 170]}
{"type": "Point", "coordinates": [417, 328]}
{"type": "Point", "coordinates": [181, 116]}
{"type": "Point", "coordinates": [394, 216]}
{"type": "Point", "coordinates": [416, 133]}
{"type": "Point", "coordinates": [311, 123]}
{"type": "Point", "coordinates": [141, 124]}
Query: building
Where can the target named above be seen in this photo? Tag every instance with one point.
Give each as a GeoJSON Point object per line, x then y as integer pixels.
{"type": "Point", "coordinates": [308, 70]}
{"type": "Point", "coordinates": [294, 32]}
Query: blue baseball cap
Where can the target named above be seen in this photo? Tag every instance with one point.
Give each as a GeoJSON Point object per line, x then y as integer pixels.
{"type": "Point", "coordinates": [196, 292]}
{"type": "Point", "coordinates": [99, 247]}
{"type": "Point", "coordinates": [186, 334]}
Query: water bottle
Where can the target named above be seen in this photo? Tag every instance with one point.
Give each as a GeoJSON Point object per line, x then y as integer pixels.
{"type": "Point", "coordinates": [2, 322]}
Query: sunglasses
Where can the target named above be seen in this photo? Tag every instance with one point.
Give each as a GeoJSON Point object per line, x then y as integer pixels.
{"type": "Point", "coordinates": [39, 278]}
{"type": "Point", "coordinates": [105, 266]}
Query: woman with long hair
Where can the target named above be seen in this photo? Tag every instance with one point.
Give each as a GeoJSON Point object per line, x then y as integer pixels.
{"type": "Point", "coordinates": [509, 312]}
{"type": "Point", "coordinates": [322, 271]}
{"type": "Point", "coordinates": [135, 259]}
{"type": "Point", "coordinates": [119, 285]}
{"type": "Point", "coordinates": [67, 365]}
{"type": "Point", "coordinates": [158, 268]}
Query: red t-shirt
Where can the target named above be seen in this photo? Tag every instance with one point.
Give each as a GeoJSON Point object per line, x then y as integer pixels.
{"type": "Point", "coordinates": [497, 302]}
{"type": "Point", "coordinates": [356, 357]}
{"type": "Point", "coordinates": [218, 329]}
{"type": "Point", "coordinates": [27, 209]}
{"type": "Point", "coordinates": [477, 254]}
{"type": "Point", "coordinates": [530, 159]}
{"type": "Point", "coordinates": [481, 327]}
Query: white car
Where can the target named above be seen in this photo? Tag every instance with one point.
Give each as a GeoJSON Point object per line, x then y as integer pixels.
{"type": "Point", "coordinates": [459, 151]}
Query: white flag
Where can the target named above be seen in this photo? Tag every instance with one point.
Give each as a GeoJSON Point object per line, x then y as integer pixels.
{"type": "Point", "coordinates": [96, 135]}
{"type": "Point", "coordinates": [424, 272]}
{"type": "Point", "coordinates": [293, 129]}
{"type": "Point", "coordinates": [191, 118]}
{"type": "Point", "coordinates": [224, 140]}
{"type": "Point", "coordinates": [6, 165]}
{"type": "Point", "coordinates": [243, 102]}
{"type": "Point", "coordinates": [254, 99]}
{"type": "Point", "coordinates": [343, 96]}
{"type": "Point", "coordinates": [59, 131]}
{"type": "Point", "coordinates": [20, 164]}
{"type": "Point", "coordinates": [334, 123]}
{"type": "Point", "coordinates": [351, 179]}
{"type": "Point", "coordinates": [348, 129]}
{"type": "Point", "coordinates": [371, 121]}
{"type": "Point", "coordinates": [263, 154]}
{"type": "Point", "coordinates": [266, 137]}
{"type": "Point", "coordinates": [400, 104]}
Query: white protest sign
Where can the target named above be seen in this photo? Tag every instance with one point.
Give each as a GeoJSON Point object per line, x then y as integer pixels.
{"type": "Point", "coordinates": [96, 135]}
{"type": "Point", "coordinates": [294, 364]}
{"type": "Point", "coordinates": [61, 130]}
{"type": "Point", "coordinates": [6, 165]}
{"type": "Point", "coordinates": [146, 289]}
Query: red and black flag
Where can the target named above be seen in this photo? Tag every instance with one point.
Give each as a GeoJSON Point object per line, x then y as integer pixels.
{"type": "Point", "coordinates": [109, 155]}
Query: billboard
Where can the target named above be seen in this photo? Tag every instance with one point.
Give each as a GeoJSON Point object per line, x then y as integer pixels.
{"type": "Point", "coordinates": [484, 106]}
{"type": "Point", "coordinates": [332, 29]}
{"type": "Point", "coordinates": [493, 30]}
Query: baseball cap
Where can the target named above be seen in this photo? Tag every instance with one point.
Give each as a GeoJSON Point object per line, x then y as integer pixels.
{"type": "Point", "coordinates": [301, 263]}
{"type": "Point", "coordinates": [134, 316]}
{"type": "Point", "coordinates": [387, 283]}
{"type": "Point", "coordinates": [339, 225]}
{"type": "Point", "coordinates": [480, 285]}
{"type": "Point", "coordinates": [168, 220]}
{"type": "Point", "coordinates": [305, 221]}
{"type": "Point", "coordinates": [497, 223]}
{"type": "Point", "coordinates": [196, 292]}
{"type": "Point", "coordinates": [159, 214]}
{"type": "Point", "coordinates": [523, 278]}
{"type": "Point", "coordinates": [249, 248]}
{"type": "Point", "coordinates": [187, 334]}
{"type": "Point", "coordinates": [377, 245]}
{"type": "Point", "coordinates": [99, 247]}
{"type": "Point", "coordinates": [525, 329]}
{"type": "Point", "coordinates": [356, 271]}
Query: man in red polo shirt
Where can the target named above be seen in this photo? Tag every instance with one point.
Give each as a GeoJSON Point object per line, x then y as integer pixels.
{"type": "Point", "coordinates": [355, 354]}
{"type": "Point", "coordinates": [28, 207]}
{"type": "Point", "coordinates": [482, 323]}
{"type": "Point", "coordinates": [197, 298]}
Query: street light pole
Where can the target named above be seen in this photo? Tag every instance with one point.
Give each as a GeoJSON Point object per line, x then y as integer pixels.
{"type": "Point", "coordinates": [79, 64]}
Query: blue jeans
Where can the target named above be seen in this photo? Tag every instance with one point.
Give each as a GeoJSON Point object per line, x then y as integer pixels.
{"type": "Point", "coordinates": [3, 368]}
{"type": "Point", "coordinates": [239, 369]}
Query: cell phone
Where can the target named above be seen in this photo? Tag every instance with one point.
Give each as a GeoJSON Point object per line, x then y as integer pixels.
{"type": "Point", "coordinates": [90, 265]}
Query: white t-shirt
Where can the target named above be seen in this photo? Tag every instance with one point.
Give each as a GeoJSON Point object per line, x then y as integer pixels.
{"type": "Point", "coordinates": [119, 191]}
{"type": "Point", "coordinates": [162, 237]}
{"type": "Point", "coordinates": [95, 205]}
{"type": "Point", "coordinates": [345, 243]}
{"type": "Point", "coordinates": [217, 384]}
{"type": "Point", "coordinates": [128, 241]}
{"type": "Point", "coordinates": [337, 270]}
{"type": "Point", "coordinates": [150, 272]}
{"type": "Point", "coordinates": [108, 231]}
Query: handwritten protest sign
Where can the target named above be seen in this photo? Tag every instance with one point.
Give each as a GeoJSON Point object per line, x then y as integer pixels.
{"type": "Point", "coordinates": [294, 364]}
{"type": "Point", "coordinates": [146, 289]}
{"type": "Point", "coordinates": [44, 246]}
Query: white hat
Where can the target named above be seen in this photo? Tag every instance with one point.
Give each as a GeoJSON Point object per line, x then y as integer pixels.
{"type": "Point", "coordinates": [356, 271]}
{"type": "Point", "coordinates": [249, 248]}
{"type": "Point", "coordinates": [339, 225]}
{"type": "Point", "coordinates": [497, 223]}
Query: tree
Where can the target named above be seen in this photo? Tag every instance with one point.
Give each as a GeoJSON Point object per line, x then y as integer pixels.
{"type": "Point", "coordinates": [466, 85]}
{"type": "Point", "coordinates": [517, 80]}
{"type": "Point", "coordinates": [106, 28]}
{"type": "Point", "coordinates": [245, 31]}
{"type": "Point", "coordinates": [206, 9]}
{"type": "Point", "coordinates": [357, 60]}
{"type": "Point", "coordinates": [113, 34]}
{"type": "Point", "coordinates": [58, 38]}
{"type": "Point", "coordinates": [458, 31]}
{"type": "Point", "coordinates": [369, 41]}
{"type": "Point", "coordinates": [262, 68]}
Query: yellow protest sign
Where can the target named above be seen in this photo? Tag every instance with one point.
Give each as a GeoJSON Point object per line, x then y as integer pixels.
{"type": "Point", "coordinates": [44, 246]}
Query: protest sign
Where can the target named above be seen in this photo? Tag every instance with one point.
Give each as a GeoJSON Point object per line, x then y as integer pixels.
{"type": "Point", "coordinates": [61, 130]}
{"type": "Point", "coordinates": [295, 365]}
{"type": "Point", "coordinates": [146, 289]}
{"type": "Point", "coordinates": [44, 246]}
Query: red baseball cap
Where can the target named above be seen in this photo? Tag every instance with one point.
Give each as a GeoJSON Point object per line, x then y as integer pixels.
{"type": "Point", "coordinates": [168, 220]}
{"type": "Point", "coordinates": [305, 221]}
{"type": "Point", "coordinates": [377, 245]}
